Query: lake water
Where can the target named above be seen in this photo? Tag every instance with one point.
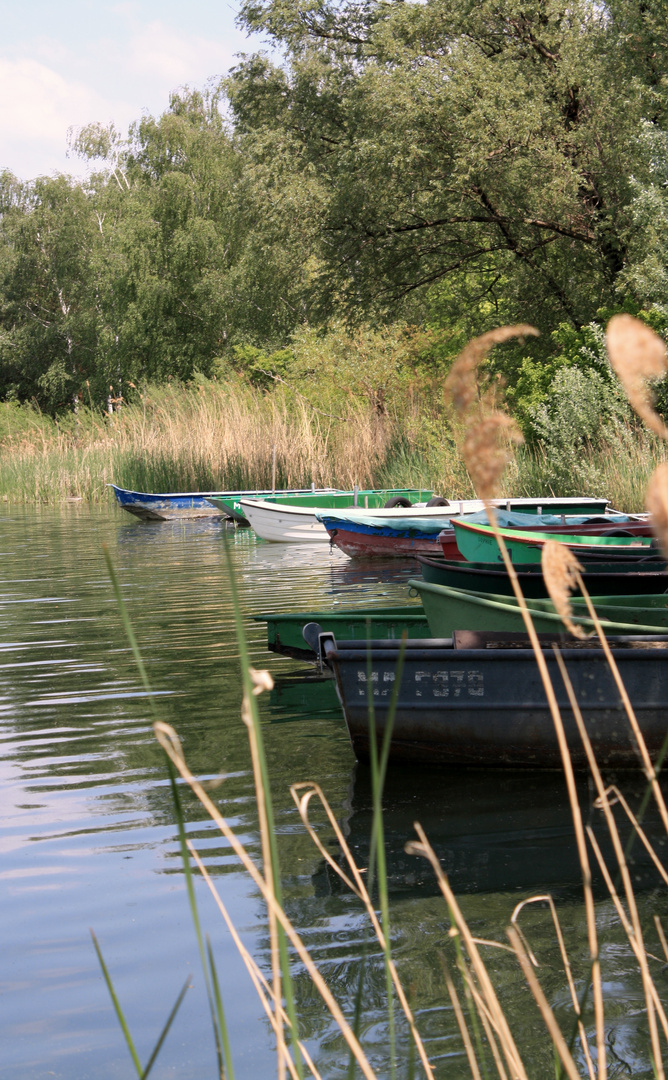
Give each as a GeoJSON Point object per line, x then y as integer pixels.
{"type": "Point", "coordinates": [88, 838]}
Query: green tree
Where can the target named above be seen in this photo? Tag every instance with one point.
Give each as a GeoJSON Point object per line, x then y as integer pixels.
{"type": "Point", "coordinates": [490, 145]}
{"type": "Point", "coordinates": [47, 322]}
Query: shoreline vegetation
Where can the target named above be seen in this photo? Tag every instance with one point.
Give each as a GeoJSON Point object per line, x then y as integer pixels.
{"type": "Point", "coordinates": [217, 435]}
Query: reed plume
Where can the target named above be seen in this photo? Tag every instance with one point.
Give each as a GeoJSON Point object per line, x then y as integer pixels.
{"type": "Point", "coordinates": [656, 501]}
{"type": "Point", "coordinates": [637, 355]}
{"type": "Point", "coordinates": [486, 450]}
{"type": "Point", "coordinates": [487, 432]}
{"type": "Point", "coordinates": [560, 570]}
{"type": "Point", "coordinates": [461, 385]}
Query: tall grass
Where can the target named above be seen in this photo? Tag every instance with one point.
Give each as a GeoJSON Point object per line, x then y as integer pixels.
{"type": "Point", "coordinates": [221, 435]}
{"type": "Point", "coordinates": [206, 436]}
{"type": "Point", "coordinates": [619, 469]}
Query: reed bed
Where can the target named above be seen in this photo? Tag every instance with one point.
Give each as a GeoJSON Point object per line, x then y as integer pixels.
{"type": "Point", "coordinates": [618, 469]}
{"type": "Point", "coordinates": [221, 435]}
{"type": "Point", "coordinates": [206, 436]}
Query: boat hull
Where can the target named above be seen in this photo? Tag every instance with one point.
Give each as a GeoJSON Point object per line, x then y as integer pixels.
{"type": "Point", "coordinates": [358, 544]}
{"type": "Point", "coordinates": [449, 609]}
{"type": "Point", "coordinates": [487, 707]}
{"type": "Point", "coordinates": [448, 540]}
{"type": "Point", "coordinates": [284, 631]}
{"type": "Point", "coordinates": [617, 580]}
{"type": "Point", "coordinates": [167, 506]}
{"type": "Point", "coordinates": [477, 543]}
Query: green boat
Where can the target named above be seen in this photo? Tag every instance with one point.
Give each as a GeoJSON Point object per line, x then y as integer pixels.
{"type": "Point", "coordinates": [477, 543]}
{"type": "Point", "coordinates": [284, 631]}
{"type": "Point", "coordinates": [448, 610]}
{"type": "Point", "coordinates": [615, 579]}
{"type": "Point", "coordinates": [328, 500]}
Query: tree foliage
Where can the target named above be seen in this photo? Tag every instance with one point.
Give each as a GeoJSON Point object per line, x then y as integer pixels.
{"type": "Point", "coordinates": [448, 164]}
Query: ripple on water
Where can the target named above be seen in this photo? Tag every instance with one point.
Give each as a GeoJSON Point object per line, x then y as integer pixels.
{"type": "Point", "coordinates": [87, 828]}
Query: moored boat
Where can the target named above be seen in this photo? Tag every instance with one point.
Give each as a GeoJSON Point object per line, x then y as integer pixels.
{"type": "Point", "coordinates": [449, 609]}
{"type": "Point", "coordinates": [296, 521]}
{"type": "Point", "coordinates": [477, 543]}
{"type": "Point", "coordinates": [610, 578]}
{"type": "Point", "coordinates": [608, 524]}
{"type": "Point", "coordinates": [167, 505]}
{"type": "Point", "coordinates": [314, 499]}
{"type": "Point", "coordinates": [413, 531]}
{"type": "Point", "coordinates": [284, 630]}
{"type": "Point", "coordinates": [478, 699]}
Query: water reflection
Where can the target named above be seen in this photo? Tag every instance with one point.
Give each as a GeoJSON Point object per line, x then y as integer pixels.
{"type": "Point", "coordinates": [87, 834]}
{"type": "Point", "coordinates": [492, 833]}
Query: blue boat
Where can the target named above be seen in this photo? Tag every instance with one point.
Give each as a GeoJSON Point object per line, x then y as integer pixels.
{"type": "Point", "coordinates": [165, 506]}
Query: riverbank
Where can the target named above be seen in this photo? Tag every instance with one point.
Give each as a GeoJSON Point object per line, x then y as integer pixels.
{"type": "Point", "coordinates": [221, 435]}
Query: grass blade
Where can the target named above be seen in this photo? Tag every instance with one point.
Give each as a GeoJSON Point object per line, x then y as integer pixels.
{"type": "Point", "coordinates": [220, 1012]}
{"type": "Point", "coordinates": [117, 1006]}
{"type": "Point", "coordinates": [127, 624]}
{"type": "Point", "coordinates": [254, 719]}
{"type": "Point", "coordinates": [163, 1033]}
{"type": "Point", "coordinates": [192, 900]}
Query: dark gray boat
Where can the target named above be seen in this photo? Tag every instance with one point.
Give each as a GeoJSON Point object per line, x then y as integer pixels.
{"type": "Point", "coordinates": [477, 699]}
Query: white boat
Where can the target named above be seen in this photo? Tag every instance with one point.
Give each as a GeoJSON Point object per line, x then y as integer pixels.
{"type": "Point", "coordinates": [295, 524]}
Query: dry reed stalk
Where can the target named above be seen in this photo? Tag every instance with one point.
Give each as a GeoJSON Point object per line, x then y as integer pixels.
{"type": "Point", "coordinates": [636, 939]}
{"type": "Point", "coordinates": [486, 451]}
{"type": "Point", "coordinates": [628, 928]}
{"type": "Point", "coordinates": [656, 501]}
{"type": "Point", "coordinates": [662, 936]}
{"type": "Point", "coordinates": [652, 1000]}
{"type": "Point", "coordinates": [302, 802]}
{"type": "Point", "coordinates": [262, 680]}
{"type": "Point", "coordinates": [572, 795]}
{"type": "Point", "coordinates": [484, 1013]}
{"type": "Point", "coordinates": [566, 964]}
{"type": "Point", "coordinates": [169, 740]}
{"type": "Point", "coordinates": [636, 355]}
{"type": "Point", "coordinates": [461, 386]}
{"type": "Point", "coordinates": [262, 987]}
{"type": "Point", "coordinates": [491, 1039]}
{"type": "Point", "coordinates": [497, 1016]}
{"type": "Point", "coordinates": [545, 1010]}
{"type": "Point", "coordinates": [617, 797]}
{"type": "Point", "coordinates": [485, 1016]}
{"type": "Point", "coordinates": [463, 1029]}
{"type": "Point", "coordinates": [648, 768]}
{"type": "Point", "coordinates": [560, 567]}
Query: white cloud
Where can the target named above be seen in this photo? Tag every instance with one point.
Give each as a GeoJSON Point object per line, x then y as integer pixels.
{"type": "Point", "coordinates": [50, 83]}
{"type": "Point", "coordinates": [158, 52]}
{"type": "Point", "coordinates": [38, 106]}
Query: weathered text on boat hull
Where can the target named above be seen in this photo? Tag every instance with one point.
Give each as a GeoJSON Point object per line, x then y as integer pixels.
{"type": "Point", "coordinates": [487, 707]}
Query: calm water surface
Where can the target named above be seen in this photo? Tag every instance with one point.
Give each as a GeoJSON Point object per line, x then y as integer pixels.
{"type": "Point", "coordinates": [88, 839]}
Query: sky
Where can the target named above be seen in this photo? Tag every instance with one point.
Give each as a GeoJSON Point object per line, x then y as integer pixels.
{"type": "Point", "coordinates": [65, 63]}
